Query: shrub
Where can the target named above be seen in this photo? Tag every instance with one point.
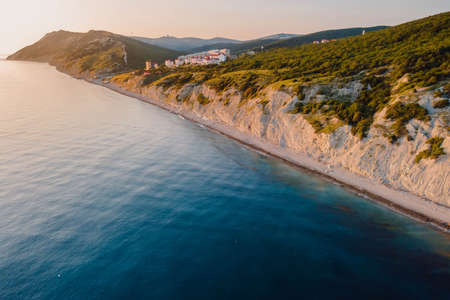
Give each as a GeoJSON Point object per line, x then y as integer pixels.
{"type": "Point", "coordinates": [401, 114]}
{"type": "Point", "coordinates": [299, 91]}
{"type": "Point", "coordinates": [362, 127]}
{"type": "Point", "coordinates": [407, 111]}
{"type": "Point", "coordinates": [297, 109]}
{"type": "Point", "coordinates": [434, 151]}
{"type": "Point", "coordinates": [316, 124]}
{"type": "Point", "coordinates": [202, 99]}
{"type": "Point", "coordinates": [263, 103]}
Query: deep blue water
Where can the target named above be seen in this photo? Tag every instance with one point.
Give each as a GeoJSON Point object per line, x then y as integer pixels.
{"type": "Point", "coordinates": [106, 197]}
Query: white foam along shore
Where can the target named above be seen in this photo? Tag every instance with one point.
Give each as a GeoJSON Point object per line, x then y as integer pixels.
{"type": "Point", "coordinates": [401, 201]}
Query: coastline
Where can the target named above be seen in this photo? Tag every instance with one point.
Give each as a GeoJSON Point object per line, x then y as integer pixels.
{"type": "Point", "coordinates": [415, 207]}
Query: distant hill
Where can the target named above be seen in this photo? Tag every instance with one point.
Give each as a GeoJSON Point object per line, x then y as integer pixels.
{"type": "Point", "coordinates": [94, 52]}
{"type": "Point", "coordinates": [286, 40]}
{"type": "Point", "coordinates": [327, 34]}
{"type": "Point", "coordinates": [184, 44]}
{"type": "Point", "coordinates": [192, 44]}
{"type": "Point", "coordinates": [237, 48]}
{"type": "Point", "coordinates": [101, 52]}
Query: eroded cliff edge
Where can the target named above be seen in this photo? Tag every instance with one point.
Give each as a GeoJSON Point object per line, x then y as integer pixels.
{"type": "Point", "coordinates": [270, 119]}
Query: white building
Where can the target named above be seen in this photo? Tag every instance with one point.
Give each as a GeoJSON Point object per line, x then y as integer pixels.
{"type": "Point", "coordinates": [225, 52]}
{"type": "Point", "coordinates": [204, 58]}
{"type": "Point", "coordinates": [148, 65]}
{"type": "Point", "coordinates": [169, 63]}
{"type": "Point", "coordinates": [222, 58]}
{"type": "Point", "coordinates": [179, 61]}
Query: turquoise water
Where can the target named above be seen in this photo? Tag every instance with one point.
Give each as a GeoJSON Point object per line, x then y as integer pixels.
{"type": "Point", "coordinates": [106, 197]}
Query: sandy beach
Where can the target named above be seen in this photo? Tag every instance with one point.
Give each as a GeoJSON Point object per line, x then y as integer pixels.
{"type": "Point", "coordinates": [403, 202]}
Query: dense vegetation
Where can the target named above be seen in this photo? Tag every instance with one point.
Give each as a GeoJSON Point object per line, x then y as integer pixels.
{"type": "Point", "coordinates": [434, 151]}
{"type": "Point", "coordinates": [273, 43]}
{"type": "Point", "coordinates": [317, 36]}
{"type": "Point", "coordinates": [420, 49]}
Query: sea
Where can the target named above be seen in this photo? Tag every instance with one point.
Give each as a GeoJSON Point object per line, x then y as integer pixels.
{"type": "Point", "coordinates": [103, 196]}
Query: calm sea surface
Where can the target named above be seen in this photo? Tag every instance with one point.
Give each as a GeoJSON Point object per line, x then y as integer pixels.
{"type": "Point", "coordinates": [106, 197]}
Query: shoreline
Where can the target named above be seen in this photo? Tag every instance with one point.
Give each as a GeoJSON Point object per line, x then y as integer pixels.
{"type": "Point", "coordinates": [405, 203]}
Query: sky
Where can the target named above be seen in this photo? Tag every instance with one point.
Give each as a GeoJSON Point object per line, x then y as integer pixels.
{"type": "Point", "coordinates": [23, 22]}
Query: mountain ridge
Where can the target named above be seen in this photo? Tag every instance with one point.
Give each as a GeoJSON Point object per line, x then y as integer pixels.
{"type": "Point", "coordinates": [324, 34]}
{"type": "Point", "coordinates": [94, 52]}
{"type": "Point", "coordinates": [272, 41]}
{"type": "Point", "coordinates": [184, 43]}
{"type": "Point", "coordinates": [189, 44]}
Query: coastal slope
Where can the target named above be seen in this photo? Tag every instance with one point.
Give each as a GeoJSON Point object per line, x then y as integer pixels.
{"type": "Point", "coordinates": [93, 53]}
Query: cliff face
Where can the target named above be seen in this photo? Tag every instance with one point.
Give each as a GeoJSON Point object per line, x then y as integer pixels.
{"type": "Point", "coordinates": [374, 157]}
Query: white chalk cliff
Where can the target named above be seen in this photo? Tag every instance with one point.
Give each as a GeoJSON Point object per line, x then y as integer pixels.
{"type": "Point", "coordinates": [268, 120]}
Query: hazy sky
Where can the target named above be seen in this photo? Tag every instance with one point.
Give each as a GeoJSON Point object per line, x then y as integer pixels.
{"type": "Point", "coordinates": [25, 21]}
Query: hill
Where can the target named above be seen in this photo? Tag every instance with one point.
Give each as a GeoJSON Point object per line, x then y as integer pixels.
{"type": "Point", "coordinates": [395, 60]}
{"type": "Point", "coordinates": [317, 36]}
{"type": "Point", "coordinates": [184, 44]}
{"type": "Point", "coordinates": [94, 52]}
{"type": "Point", "coordinates": [192, 44]}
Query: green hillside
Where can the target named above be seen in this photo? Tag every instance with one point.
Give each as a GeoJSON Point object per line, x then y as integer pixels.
{"type": "Point", "coordinates": [419, 50]}
{"type": "Point", "coordinates": [95, 52]}
{"type": "Point", "coordinates": [317, 36]}
{"type": "Point", "coordinates": [273, 43]}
